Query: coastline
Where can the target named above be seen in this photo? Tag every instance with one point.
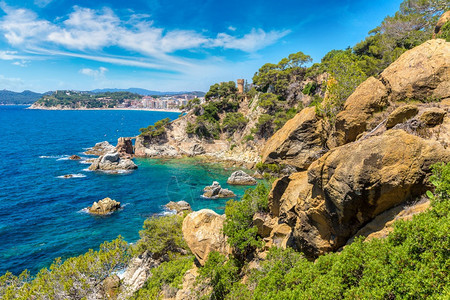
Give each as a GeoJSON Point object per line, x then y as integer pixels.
{"type": "Point", "coordinates": [121, 108]}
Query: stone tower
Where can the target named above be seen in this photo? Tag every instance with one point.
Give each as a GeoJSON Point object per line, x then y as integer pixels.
{"type": "Point", "coordinates": [240, 86]}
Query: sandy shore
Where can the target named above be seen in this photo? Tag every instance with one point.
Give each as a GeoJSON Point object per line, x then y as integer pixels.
{"type": "Point", "coordinates": [121, 108]}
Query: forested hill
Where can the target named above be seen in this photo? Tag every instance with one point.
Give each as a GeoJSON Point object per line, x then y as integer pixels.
{"type": "Point", "coordinates": [25, 97]}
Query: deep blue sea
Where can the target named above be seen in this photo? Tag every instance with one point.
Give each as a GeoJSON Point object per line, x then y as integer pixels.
{"type": "Point", "coordinates": [41, 214]}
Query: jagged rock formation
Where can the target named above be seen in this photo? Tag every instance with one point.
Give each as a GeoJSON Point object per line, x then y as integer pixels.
{"type": "Point", "coordinates": [112, 162]}
{"type": "Point", "coordinates": [125, 147]}
{"type": "Point", "coordinates": [215, 191]}
{"type": "Point", "coordinates": [299, 142]}
{"type": "Point", "coordinates": [351, 185]}
{"type": "Point", "coordinates": [422, 73]}
{"type": "Point", "coordinates": [100, 149]}
{"type": "Point", "coordinates": [136, 273]}
{"type": "Point", "coordinates": [241, 178]}
{"type": "Point", "coordinates": [104, 206]}
{"type": "Point", "coordinates": [202, 231]}
{"type": "Point", "coordinates": [74, 157]}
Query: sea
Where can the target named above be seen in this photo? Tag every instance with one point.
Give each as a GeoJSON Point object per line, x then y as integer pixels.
{"type": "Point", "coordinates": [43, 215]}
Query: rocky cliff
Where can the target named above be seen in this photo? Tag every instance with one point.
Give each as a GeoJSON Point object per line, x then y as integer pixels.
{"type": "Point", "coordinates": [391, 130]}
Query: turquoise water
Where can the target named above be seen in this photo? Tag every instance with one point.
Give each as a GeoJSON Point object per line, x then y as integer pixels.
{"type": "Point", "coordinates": [41, 214]}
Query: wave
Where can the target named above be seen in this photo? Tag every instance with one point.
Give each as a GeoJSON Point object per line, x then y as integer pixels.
{"type": "Point", "coordinates": [52, 156]}
{"type": "Point", "coordinates": [86, 170]}
{"type": "Point", "coordinates": [71, 176]}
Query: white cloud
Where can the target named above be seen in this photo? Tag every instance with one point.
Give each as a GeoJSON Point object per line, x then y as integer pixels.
{"type": "Point", "coordinates": [251, 42]}
{"type": "Point", "coordinates": [21, 26]}
{"type": "Point", "coordinates": [232, 28]}
{"type": "Point", "coordinates": [21, 63]}
{"type": "Point", "coordinates": [42, 3]}
{"type": "Point", "coordinates": [97, 74]}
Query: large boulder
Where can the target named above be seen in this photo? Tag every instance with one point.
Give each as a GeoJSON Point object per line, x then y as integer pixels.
{"type": "Point", "coordinates": [215, 191]}
{"type": "Point", "coordinates": [422, 73]}
{"type": "Point", "coordinates": [432, 116]}
{"type": "Point", "coordinates": [202, 231]}
{"type": "Point", "coordinates": [241, 178]}
{"type": "Point", "coordinates": [351, 185]}
{"type": "Point", "coordinates": [299, 142]}
{"type": "Point", "coordinates": [104, 206]}
{"type": "Point", "coordinates": [401, 114]}
{"type": "Point", "coordinates": [112, 162]}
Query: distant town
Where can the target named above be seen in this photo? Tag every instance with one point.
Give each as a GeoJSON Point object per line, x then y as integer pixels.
{"type": "Point", "coordinates": [66, 99]}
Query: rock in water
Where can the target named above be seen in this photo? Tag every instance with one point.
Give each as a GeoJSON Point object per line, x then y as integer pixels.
{"type": "Point", "coordinates": [100, 149]}
{"type": "Point", "coordinates": [112, 162]}
{"type": "Point", "coordinates": [179, 207]}
{"type": "Point", "coordinates": [104, 206]}
{"type": "Point", "coordinates": [202, 231]}
{"type": "Point", "coordinates": [74, 157]}
{"type": "Point", "coordinates": [125, 147]}
{"type": "Point", "coordinates": [215, 191]}
{"type": "Point", "coordinates": [241, 178]}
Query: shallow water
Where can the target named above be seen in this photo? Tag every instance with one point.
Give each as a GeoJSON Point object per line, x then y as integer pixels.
{"type": "Point", "coordinates": [41, 212]}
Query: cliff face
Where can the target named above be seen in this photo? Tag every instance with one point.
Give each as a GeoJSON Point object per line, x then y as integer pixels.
{"type": "Point", "coordinates": [177, 142]}
{"type": "Point", "coordinates": [392, 129]}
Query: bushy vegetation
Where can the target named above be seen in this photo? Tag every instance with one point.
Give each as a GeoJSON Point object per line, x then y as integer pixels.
{"type": "Point", "coordinates": [166, 279]}
{"type": "Point", "coordinates": [223, 90]}
{"type": "Point", "coordinates": [233, 121]}
{"type": "Point", "coordinates": [74, 278]}
{"type": "Point", "coordinates": [242, 234]}
{"type": "Point", "coordinates": [162, 236]}
{"type": "Point", "coordinates": [156, 129]}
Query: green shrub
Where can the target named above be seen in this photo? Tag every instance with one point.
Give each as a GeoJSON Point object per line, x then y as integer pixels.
{"type": "Point", "coordinates": [445, 32]}
{"type": "Point", "coordinates": [309, 88]}
{"type": "Point", "coordinates": [190, 128]}
{"type": "Point", "coordinates": [219, 273]}
{"type": "Point", "coordinates": [162, 235]}
{"type": "Point", "coordinates": [156, 129]}
{"type": "Point", "coordinates": [248, 137]}
{"type": "Point", "coordinates": [238, 227]}
{"type": "Point", "coordinates": [233, 121]}
{"type": "Point", "coordinates": [167, 278]}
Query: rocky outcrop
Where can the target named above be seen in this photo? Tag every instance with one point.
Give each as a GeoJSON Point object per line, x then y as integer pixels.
{"type": "Point", "coordinates": [422, 73]}
{"type": "Point", "coordinates": [299, 142]}
{"type": "Point", "coordinates": [100, 149]}
{"type": "Point", "coordinates": [74, 157]}
{"type": "Point", "coordinates": [432, 116]}
{"type": "Point", "coordinates": [125, 147]}
{"type": "Point", "coordinates": [104, 207]}
{"type": "Point", "coordinates": [179, 207]}
{"type": "Point", "coordinates": [202, 231]}
{"type": "Point", "coordinates": [401, 114]}
{"type": "Point", "coordinates": [112, 162]}
{"type": "Point", "coordinates": [351, 185]}
{"type": "Point", "coordinates": [137, 273]}
{"type": "Point", "coordinates": [241, 178]}
{"type": "Point", "coordinates": [215, 191]}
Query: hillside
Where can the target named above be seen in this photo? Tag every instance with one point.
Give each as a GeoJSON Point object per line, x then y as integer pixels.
{"type": "Point", "coordinates": [83, 100]}
{"type": "Point", "coordinates": [25, 97]}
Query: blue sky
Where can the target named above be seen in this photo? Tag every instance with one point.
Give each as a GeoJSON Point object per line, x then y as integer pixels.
{"type": "Point", "coordinates": [168, 45]}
